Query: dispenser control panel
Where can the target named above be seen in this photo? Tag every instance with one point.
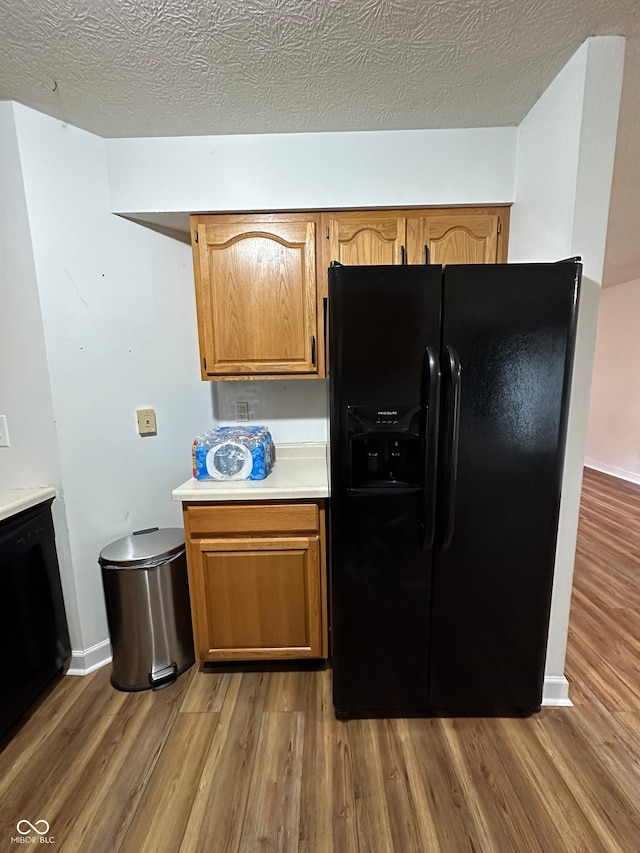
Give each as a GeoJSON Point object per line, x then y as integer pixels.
{"type": "Point", "coordinates": [372, 418]}
{"type": "Point", "coordinates": [387, 417]}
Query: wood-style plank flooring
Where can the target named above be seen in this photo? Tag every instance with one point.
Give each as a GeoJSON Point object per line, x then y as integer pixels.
{"type": "Point", "coordinates": [255, 761]}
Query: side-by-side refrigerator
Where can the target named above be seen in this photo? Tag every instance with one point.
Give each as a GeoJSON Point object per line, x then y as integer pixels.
{"type": "Point", "coordinates": [449, 393]}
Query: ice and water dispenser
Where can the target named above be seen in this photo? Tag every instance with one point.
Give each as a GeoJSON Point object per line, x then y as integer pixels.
{"type": "Point", "coordinates": [386, 447]}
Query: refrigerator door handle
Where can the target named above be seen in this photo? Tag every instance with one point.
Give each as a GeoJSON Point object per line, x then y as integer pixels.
{"type": "Point", "coordinates": [451, 470]}
{"type": "Point", "coordinates": [432, 365]}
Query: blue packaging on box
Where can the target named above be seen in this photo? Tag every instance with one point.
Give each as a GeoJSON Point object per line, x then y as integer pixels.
{"type": "Point", "coordinates": [233, 453]}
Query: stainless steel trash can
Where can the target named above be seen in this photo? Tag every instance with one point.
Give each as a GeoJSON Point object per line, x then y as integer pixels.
{"type": "Point", "coordinates": [147, 596]}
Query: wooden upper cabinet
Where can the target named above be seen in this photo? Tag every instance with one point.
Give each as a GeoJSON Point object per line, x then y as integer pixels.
{"type": "Point", "coordinates": [463, 237]}
{"type": "Point", "coordinates": [256, 294]}
{"type": "Point", "coordinates": [474, 235]}
{"type": "Point", "coordinates": [261, 279]}
{"type": "Point", "coordinates": [358, 237]}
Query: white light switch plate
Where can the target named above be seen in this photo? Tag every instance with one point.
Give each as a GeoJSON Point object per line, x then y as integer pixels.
{"type": "Point", "coordinates": [4, 432]}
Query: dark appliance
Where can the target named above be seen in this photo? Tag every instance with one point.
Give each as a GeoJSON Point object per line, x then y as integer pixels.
{"type": "Point", "coordinates": [449, 392]}
{"type": "Point", "coordinates": [33, 626]}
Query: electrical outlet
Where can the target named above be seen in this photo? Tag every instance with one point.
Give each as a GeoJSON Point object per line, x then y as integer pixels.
{"type": "Point", "coordinates": [242, 412]}
{"type": "Point", "coordinates": [4, 432]}
{"type": "Point", "coordinates": [146, 421]}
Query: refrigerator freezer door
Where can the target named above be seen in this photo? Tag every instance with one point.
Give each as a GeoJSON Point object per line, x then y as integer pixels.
{"type": "Point", "coordinates": [380, 607]}
{"type": "Point", "coordinates": [513, 329]}
{"type": "Point", "coordinates": [381, 321]}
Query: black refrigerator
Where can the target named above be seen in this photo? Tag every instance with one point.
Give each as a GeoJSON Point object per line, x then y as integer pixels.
{"type": "Point", "coordinates": [449, 391]}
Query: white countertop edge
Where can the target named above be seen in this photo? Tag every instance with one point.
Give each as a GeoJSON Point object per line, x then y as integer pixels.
{"type": "Point", "coordinates": [190, 492]}
{"type": "Point", "coordinates": [13, 501]}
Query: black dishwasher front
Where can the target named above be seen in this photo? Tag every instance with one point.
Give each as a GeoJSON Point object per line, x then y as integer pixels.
{"type": "Point", "coordinates": [34, 637]}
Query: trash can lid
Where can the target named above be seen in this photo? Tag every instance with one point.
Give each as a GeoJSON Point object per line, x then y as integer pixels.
{"type": "Point", "coordinates": [143, 546]}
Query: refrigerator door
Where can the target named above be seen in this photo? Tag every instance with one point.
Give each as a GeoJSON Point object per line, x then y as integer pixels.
{"type": "Point", "coordinates": [508, 337]}
{"type": "Point", "coordinates": [384, 338]}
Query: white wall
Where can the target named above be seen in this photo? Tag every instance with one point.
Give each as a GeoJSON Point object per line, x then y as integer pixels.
{"type": "Point", "coordinates": [548, 146]}
{"type": "Point", "coordinates": [119, 327]}
{"type": "Point", "coordinates": [25, 395]}
{"type": "Point", "coordinates": [25, 392]}
{"type": "Point", "coordinates": [565, 156]}
{"type": "Point", "coordinates": [613, 438]}
{"type": "Point", "coordinates": [312, 170]}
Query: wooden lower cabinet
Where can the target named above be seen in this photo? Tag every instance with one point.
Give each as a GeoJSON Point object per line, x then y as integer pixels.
{"type": "Point", "coordinates": [257, 580]}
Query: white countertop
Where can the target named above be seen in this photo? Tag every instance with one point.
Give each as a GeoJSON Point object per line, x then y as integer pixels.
{"type": "Point", "coordinates": [13, 501]}
{"type": "Point", "coordinates": [300, 471]}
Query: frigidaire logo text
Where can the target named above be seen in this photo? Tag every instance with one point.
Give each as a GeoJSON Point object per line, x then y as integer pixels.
{"type": "Point", "coordinates": [33, 833]}
{"type": "Point", "coordinates": [387, 413]}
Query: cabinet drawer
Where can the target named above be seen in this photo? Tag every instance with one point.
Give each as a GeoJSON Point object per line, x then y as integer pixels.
{"type": "Point", "coordinates": [251, 518]}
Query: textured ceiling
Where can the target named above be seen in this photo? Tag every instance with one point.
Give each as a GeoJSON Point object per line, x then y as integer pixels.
{"type": "Point", "coordinates": [176, 67]}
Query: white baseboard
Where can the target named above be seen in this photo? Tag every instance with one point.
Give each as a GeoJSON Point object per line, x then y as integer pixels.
{"type": "Point", "coordinates": [620, 473]}
{"type": "Point", "coordinates": [555, 692]}
{"type": "Point", "coordinates": [87, 660]}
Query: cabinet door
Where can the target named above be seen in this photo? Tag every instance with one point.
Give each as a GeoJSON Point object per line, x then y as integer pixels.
{"type": "Point", "coordinates": [256, 295]}
{"type": "Point", "coordinates": [413, 236]}
{"type": "Point", "coordinates": [261, 598]}
{"type": "Point", "coordinates": [461, 237]}
{"type": "Point", "coordinates": [358, 237]}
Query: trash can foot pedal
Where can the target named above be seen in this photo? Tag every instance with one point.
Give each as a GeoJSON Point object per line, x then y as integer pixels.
{"type": "Point", "coordinates": [162, 677]}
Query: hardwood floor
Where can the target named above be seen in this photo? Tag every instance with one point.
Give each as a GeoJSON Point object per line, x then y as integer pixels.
{"type": "Point", "coordinates": [255, 761]}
